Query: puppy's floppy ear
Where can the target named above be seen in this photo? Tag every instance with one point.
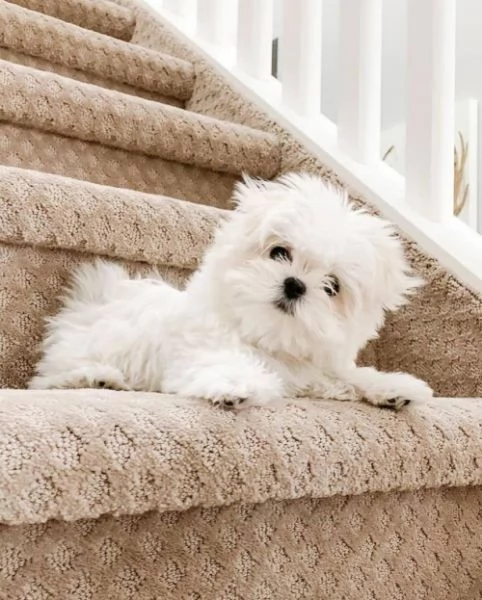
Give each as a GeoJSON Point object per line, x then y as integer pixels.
{"type": "Point", "coordinates": [396, 280]}
{"type": "Point", "coordinates": [249, 193]}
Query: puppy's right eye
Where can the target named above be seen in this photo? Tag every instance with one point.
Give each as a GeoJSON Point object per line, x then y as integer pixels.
{"type": "Point", "coordinates": [280, 253]}
{"type": "Point", "coordinates": [332, 285]}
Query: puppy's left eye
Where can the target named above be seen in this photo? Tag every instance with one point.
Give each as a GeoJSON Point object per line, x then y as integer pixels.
{"type": "Point", "coordinates": [331, 285]}
{"type": "Point", "coordinates": [280, 253]}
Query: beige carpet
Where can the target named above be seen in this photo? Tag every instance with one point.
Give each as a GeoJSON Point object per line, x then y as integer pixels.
{"type": "Point", "coordinates": [118, 140]}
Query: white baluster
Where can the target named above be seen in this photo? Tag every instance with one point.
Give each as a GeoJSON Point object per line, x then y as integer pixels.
{"type": "Point", "coordinates": [170, 5]}
{"type": "Point", "coordinates": [183, 8]}
{"type": "Point", "coordinates": [301, 56]}
{"type": "Point", "coordinates": [360, 71]}
{"type": "Point", "coordinates": [216, 21]}
{"type": "Point", "coordinates": [157, 4]}
{"type": "Point", "coordinates": [430, 107]}
{"type": "Point", "coordinates": [255, 37]}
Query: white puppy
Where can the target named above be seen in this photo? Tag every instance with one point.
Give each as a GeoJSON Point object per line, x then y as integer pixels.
{"type": "Point", "coordinates": [296, 282]}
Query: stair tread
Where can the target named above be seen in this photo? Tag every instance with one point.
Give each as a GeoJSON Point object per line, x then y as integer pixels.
{"type": "Point", "coordinates": [63, 43]}
{"type": "Point", "coordinates": [49, 102]}
{"type": "Point", "coordinates": [51, 211]}
{"type": "Point", "coordinates": [98, 15]}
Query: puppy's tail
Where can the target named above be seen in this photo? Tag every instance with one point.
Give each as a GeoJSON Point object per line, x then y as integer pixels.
{"type": "Point", "coordinates": [96, 283]}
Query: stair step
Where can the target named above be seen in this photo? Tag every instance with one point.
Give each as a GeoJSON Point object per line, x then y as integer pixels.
{"type": "Point", "coordinates": [53, 40]}
{"type": "Point", "coordinates": [51, 153]}
{"type": "Point", "coordinates": [49, 211]}
{"type": "Point", "coordinates": [98, 15]}
{"type": "Point", "coordinates": [45, 65]}
{"type": "Point", "coordinates": [48, 102]}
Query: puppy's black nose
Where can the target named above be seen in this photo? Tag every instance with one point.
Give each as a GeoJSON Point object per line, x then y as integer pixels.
{"type": "Point", "coordinates": [293, 288]}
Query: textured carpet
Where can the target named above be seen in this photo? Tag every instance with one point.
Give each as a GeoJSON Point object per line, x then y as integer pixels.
{"type": "Point", "coordinates": [100, 452]}
{"type": "Point", "coordinates": [118, 140]}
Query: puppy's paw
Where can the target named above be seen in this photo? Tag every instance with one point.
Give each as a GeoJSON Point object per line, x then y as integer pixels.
{"type": "Point", "coordinates": [232, 385]}
{"type": "Point", "coordinates": [111, 383]}
{"type": "Point", "coordinates": [104, 377]}
{"type": "Point", "coordinates": [92, 376]}
{"type": "Point", "coordinates": [396, 390]}
{"type": "Point", "coordinates": [229, 402]}
{"type": "Point", "coordinates": [238, 396]}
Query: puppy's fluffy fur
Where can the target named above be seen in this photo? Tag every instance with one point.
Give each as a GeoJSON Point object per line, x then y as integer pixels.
{"type": "Point", "coordinates": [295, 284]}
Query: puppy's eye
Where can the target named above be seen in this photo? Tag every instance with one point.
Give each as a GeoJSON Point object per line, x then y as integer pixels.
{"type": "Point", "coordinates": [331, 285]}
{"type": "Point", "coordinates": [280, 253]}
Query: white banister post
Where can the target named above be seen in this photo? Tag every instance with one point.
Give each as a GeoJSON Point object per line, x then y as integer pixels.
{"type": "Point", "coordinates": [156, 4]}
{"type": "Point", "coordinates": [360, 73]}
{"type": "Point", "coordinates": [216, 21]}
{"type": "Point", "coordinates": [301, 56]}
{"type": "Point", "coordinates": [430, 107]}
{"type": "Point", "coordinates": [183, 8]}
{"type": "Point", "coordinates": [255, 37]}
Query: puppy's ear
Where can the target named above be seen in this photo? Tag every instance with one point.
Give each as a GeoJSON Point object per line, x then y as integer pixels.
{"type": "Point", "coordinates": [396, 281]}
{"type": "Point", "coordinates": [249, 193]}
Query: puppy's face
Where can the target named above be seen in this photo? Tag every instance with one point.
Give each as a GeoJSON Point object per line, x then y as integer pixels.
{"type": "Point", "coordinates": [299, 270]}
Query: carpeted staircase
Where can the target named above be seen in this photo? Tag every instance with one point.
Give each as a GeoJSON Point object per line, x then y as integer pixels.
{"type": "Point", "coordinates": [118, 140]}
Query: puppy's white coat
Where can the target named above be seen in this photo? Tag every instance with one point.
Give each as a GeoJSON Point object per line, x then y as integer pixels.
{"type": "Point", "coordinates": [296, 282]}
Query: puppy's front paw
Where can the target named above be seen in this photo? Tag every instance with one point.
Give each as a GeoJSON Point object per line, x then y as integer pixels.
{"type": "Point", "coordinates": [91, 376]}
{"type": "Point", "coordinates": [396, 390]}
{"type": "Point", "coordinates": [230, 402]}
{"type": "Point", "coordinates": [231, 387]}
{"type": "Point", "coordinates": [239, 396]}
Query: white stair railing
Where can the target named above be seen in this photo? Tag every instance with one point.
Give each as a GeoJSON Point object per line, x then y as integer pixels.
{"type": "Point", "coordinates": [301, 56]}
{"type": "Point", "coordinates": [421, 203]}
{"type": "Point", "coordinates": [430, 107]}
{"type": "Point", "coordinates": [255, 36]}
{"type": "Point", "coordinates": [214, 21]}
{"type": "Point", "coordinates": [360, 76]}
{"type": "Point", "coordinates": [183, 8]}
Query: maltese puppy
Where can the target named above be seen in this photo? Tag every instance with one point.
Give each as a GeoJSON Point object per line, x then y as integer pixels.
{"type": "Point", "coordinates": [295, 284]}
